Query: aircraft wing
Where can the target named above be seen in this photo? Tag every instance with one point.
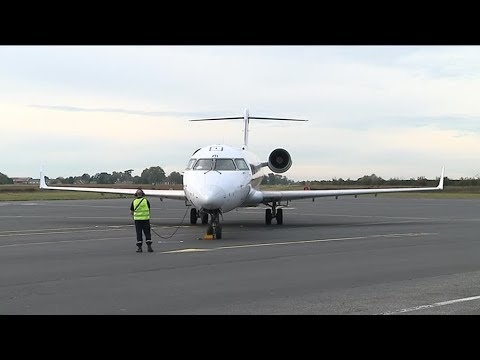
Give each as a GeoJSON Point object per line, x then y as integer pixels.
{"type": "Point", "coordinates": [269, 196]}
{"type": "Point", "coordinates": [165, 194]}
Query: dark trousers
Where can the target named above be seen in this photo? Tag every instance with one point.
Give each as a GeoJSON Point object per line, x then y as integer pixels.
{"type": "Point", "coordinates": [143, 225]}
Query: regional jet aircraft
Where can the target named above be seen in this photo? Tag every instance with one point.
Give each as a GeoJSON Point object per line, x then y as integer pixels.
{"type": "Point", "coordinates": [220, 178]}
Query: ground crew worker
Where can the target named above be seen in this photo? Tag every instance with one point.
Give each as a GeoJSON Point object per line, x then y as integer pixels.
{"type": "Point", "coordinates": [140, 209]}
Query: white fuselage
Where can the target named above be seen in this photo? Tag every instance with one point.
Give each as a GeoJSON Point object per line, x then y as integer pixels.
{"type": "Point", "coordinates": [221, 177]}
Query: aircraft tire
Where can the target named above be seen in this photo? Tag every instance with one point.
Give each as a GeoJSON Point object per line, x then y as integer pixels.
{"type": "Point", "coordinates": [218, 232]}
{"type": "Point", "coordinates": [279, 216]}
{"type": "Point", "coordinates": [193, 216]}
{"type": "Point", "coordinates": [268, 216]}
{"type": "Point", "coordinates": [210, 230]}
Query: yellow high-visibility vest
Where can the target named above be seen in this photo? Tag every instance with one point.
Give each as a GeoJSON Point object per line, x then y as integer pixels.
{"type": "Point", "coordinates": [142, 211]}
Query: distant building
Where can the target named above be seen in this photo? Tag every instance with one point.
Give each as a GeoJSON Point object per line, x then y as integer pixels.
{"type": "Point", "coordinates": [21, 180]}
{"type": "Point", "coordinates": [34, 182]}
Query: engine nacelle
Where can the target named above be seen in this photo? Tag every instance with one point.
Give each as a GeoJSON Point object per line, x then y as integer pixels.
{"type": "Point", "coordinates": [279, 161]}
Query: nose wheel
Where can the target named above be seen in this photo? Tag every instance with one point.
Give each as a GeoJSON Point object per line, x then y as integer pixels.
{"type": "Point", "coordinates": [204, 218]}
{"type": "Point", "coordinates": [194, 215]}
{"type": "Point", "coordinates": [215, 228]}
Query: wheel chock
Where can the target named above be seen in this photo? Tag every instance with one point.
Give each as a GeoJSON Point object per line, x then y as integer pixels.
{"type": "Point", "coordinates": [208, 237]}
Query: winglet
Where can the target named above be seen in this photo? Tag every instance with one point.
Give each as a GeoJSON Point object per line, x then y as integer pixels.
{"type": "Point", "coordinates": [440, 184]}
{"type": "Point", "coordinates": [43, 184]}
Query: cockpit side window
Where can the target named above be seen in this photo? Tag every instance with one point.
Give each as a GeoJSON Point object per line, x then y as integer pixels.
{"type": "Point", "coordinates": [190, 164]}
{"type": "Point", "coordinates": [203, 164]}
{"type": "Point", "coordinates": [224, 164]}
{"type": "Point", "coordinates": [241, 164]}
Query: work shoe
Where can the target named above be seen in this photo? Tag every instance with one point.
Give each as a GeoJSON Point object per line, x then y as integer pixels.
{"type": "Point", "coordinates": [139, 249]}
{"type": "Point", "coordinates": [150, 248]}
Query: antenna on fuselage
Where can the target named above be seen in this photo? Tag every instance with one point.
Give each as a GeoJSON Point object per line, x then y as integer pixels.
{"type": "Point", "coordinates": [246, 118]}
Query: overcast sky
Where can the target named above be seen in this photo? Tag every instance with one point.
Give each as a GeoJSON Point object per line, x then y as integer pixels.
{"type": "Point", "coordinates": [396, 111]}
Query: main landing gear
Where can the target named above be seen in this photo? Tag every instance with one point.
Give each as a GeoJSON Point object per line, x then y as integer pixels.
{"type": "Point", "coordinates": [274, 213]}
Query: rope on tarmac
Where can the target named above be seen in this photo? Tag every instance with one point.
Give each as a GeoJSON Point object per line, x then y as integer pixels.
{"type": "Point", "coordinates": [168, 237]}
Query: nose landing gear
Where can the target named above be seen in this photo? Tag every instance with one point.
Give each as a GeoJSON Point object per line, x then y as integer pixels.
{"type": "Point", "coordinates": [194, 215]}
{"type": "Point", "coordinates": [214, 229]}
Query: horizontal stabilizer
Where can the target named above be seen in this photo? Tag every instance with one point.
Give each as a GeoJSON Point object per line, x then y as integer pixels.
{"type": "Point", "coordinates": [250, 117]}
{"type": "Point", "coordinates": [270, 118]}
{"type": "Point", "coordinates": [223, 118]}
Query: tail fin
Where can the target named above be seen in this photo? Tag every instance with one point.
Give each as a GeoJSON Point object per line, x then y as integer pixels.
{"type": "Point", "coordinates": [440, 183]}
{"type": "Point", "coordinates": [246, 117]}
{"type": "Point", "coordinates": [43, 183]}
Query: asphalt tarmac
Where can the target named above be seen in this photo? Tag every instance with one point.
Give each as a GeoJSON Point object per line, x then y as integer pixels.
{"type": "Point", "coordinates": [351, 256]}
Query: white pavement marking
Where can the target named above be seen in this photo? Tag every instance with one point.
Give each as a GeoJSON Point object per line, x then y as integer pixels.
{"type": "Point", "coordinates": [57, 232]}
{"type": "Point", "coordinates": [368, 216]}
{"type": "Point", "coordinates": [63, 241]}
{"type": "Point", "coordinates": [22, 216]}
{"type": "Point", "coordinates": [64, 217]}
{"type": "Point", "coordinates": [171, 226]}
{"type": "Point", "coordinates": [443, 303]}
{"type": "Point", "coordinates": [299, 242]}
{"type": "Point", "coordinates": [55, 229]}
{"type": "Point", "coordinates": [185, 250]}
{"type": "Point", "coordinates": [82, 217]}
{"type": "Point", "coordinates": [96, 217]}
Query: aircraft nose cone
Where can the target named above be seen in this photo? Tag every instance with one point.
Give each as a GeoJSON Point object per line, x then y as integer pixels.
{"type": "Point", "coordinates": [212, 197]}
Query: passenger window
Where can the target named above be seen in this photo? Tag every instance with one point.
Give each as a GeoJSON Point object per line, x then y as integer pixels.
{"type": "Point", "coordinates": [241, 164]}
{"type": "Point", "coordinates": [224, 164]}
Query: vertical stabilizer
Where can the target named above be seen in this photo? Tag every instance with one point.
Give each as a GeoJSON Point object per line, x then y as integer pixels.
{"type": "Point", "coordinates": [43, 184]}
{"type": "Point", "coordinates": [245, 130]}
{"type": "Point", "coordinates": [442, 176]}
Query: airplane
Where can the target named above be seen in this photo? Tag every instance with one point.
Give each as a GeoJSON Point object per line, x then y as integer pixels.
{"type": "Point", "coordinates": [219, 178]}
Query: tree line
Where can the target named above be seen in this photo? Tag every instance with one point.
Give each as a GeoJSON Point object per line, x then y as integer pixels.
{"type": "Point", "coordinates": [374, 180]}
{"type": "Point", "coordinates": [153, 175]}
{"type": "Point", "coordinates": [4, 179]}
{"type": "Point", "coordinates": [156, 175]}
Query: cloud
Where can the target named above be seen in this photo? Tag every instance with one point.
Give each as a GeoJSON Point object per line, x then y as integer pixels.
{"type": "Point", "coordinates": [123, 111]}
{"type": "Point", "coordinates": [369, 107]}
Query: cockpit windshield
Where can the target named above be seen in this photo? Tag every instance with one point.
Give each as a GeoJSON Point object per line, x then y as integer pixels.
{"type": "Point", "coordinates": [190, 164]}
{"type": "Point", "coordinates": [241, 164]}
{"type": "Point", "coordinates": [224, 164]}
{"type": "Point", "coordinates": [218, 164]}
{"type": "Point", "coordinates": [203, 164]}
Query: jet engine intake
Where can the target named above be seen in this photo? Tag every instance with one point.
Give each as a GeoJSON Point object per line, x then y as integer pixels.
{"type": "Point", "coordinates": [279, 160]}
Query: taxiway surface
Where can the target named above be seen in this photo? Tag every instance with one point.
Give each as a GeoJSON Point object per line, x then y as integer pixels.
{"type": "Point", "coordinates": [361, 255]}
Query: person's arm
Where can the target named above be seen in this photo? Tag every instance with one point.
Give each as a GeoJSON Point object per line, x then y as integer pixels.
{"type": "Point", "coordinates": [131, 208]}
